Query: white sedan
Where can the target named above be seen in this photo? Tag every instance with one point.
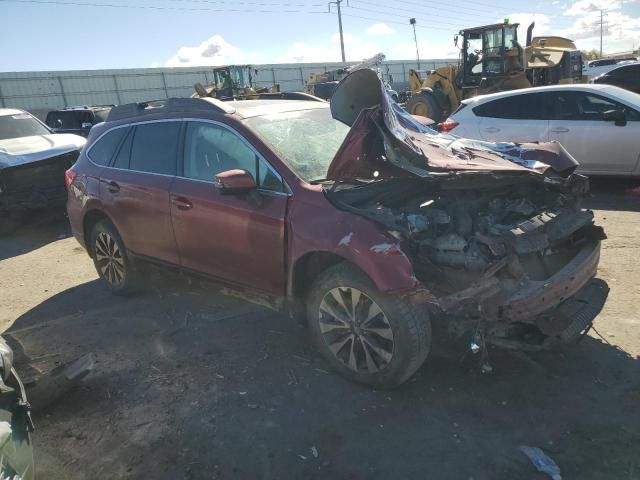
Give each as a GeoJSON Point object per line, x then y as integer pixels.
{"type": "Point", "coordinates": [598, 124]}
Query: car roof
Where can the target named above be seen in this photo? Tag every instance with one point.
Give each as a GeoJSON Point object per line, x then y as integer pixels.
{"type": "Point", "coordinates": [577, 87]}
{"type": "Point", "coordinates": [10, 111]}
{"type": "Point", "coordinates": [257, 108]}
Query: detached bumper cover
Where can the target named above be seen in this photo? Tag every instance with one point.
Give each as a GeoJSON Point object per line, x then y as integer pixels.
{"type": "Point", "coordinates": [539, 296]}
{"type": "Point", "coordinates": [566, 323]}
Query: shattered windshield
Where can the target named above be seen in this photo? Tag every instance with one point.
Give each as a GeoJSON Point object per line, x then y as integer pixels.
{"type": "Point", "coordinates": [306, 140]}
{"type": "Point", "coordinates": [20, 125]}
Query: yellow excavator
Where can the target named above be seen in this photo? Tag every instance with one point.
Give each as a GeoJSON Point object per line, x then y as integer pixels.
{"type": "Point", "coordinates": [492, 60]}
{"type": "Point", "coordinates": [232, 82]}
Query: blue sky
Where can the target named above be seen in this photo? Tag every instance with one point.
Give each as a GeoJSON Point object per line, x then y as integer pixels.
{"type": "Point", "coordinates": [78, 34]}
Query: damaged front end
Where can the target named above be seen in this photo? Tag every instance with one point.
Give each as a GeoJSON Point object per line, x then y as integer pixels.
{"type": "Point", "coordinates": [495, 232]}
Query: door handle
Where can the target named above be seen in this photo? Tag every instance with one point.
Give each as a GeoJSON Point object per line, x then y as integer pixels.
{"type": "Point", "coordinates": [560, 130]}
{"type": "Point", "coordinates": [491, 129]}
{"type": "Point", "coordinates": [181, 203]}
{"type": "Point", "coordinates": [112, 186]}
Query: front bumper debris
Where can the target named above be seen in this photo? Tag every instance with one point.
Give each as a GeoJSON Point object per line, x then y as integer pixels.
{"type": "Point", "coordinates": [566, 323]}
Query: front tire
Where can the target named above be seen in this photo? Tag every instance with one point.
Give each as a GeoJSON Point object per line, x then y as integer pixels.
{"type": "Point", "coordinates": [425, 105]}
{"type": "Point", "coordinates": [111, 260]}
{"type": "Point", "coordinates": [366, 336]}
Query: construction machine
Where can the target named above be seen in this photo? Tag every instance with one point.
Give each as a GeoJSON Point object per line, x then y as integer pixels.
{"type": "Point", "coordinates": [492, 60]}
{"type": "Point", "coordinates": [323, 84]}
{"type": "Point", "coordinates": [232, 82]}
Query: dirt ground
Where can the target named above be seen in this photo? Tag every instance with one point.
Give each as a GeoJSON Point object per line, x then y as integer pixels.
{"type": "Point", "coordinates": [191, 384]}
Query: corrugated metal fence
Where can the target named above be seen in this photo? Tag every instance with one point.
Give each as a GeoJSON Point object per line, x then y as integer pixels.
{"type": "Point", "coordinates": [39, 92]}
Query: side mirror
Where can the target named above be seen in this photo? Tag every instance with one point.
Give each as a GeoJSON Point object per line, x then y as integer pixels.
{"type": "Point", "coordinates": [57, 124]}
{"type": "Point", "coordinates": [86, 125]}
{"type": "Point", "coordinates": [617, 116]}
{"type": "Point", "coordinates": [235, 181]}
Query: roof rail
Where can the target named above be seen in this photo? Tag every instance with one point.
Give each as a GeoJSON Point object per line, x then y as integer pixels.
{"type": "Point", "coordinates": [277, 96]}
{"type": "Point", "coordinates": [168, 105]}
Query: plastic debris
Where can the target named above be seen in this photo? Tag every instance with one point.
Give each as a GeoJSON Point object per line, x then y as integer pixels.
{"type": "Point", "coordinates": [542, 461]}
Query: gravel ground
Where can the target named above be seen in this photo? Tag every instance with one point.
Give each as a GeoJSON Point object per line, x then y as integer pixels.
{"type": "Point", "coordinates": [193, 384]}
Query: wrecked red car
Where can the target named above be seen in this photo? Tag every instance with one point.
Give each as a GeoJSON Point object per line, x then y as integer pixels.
{"type": "Point", "coordinates": [354, 217]}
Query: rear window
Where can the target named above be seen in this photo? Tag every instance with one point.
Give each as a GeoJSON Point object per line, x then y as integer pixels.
{"type": "Point", "coordinates": [69, 120]}
{"type": "Point", "coordinates": [103, 150]}
{"type": "Point", "coordinates": [155, 146]}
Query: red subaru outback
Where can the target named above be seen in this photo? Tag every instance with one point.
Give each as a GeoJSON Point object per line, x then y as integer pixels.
{"type": "Point", "coordinates": [356, 218]}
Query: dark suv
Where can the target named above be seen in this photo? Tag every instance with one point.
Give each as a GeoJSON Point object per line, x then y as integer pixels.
{"type": "Point", "coordinates": [78, 120]}
{"type": "Point", "coordinates": [358, 219]}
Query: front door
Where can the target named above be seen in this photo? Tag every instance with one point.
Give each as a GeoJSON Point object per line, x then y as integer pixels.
{"type": "Point", "coordinates": [135, 189]}
{"type": "Point", "coordinates": [599, 146]}
{"type": "Point", "coordinates": [236, 238]}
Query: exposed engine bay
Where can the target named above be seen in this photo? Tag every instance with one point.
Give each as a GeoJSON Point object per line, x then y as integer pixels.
{"type": "Point", "coordinates": [495, 232]}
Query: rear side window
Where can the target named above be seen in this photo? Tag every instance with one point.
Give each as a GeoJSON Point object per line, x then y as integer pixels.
{"type": "Point", "coordinates": [154, 148]}
{"type": "Point", "coordinates": [530, 107]}
{"type": "Point", "coordinates": [124, 154]}
{"type": "Point", "coordinates": [103, 150]}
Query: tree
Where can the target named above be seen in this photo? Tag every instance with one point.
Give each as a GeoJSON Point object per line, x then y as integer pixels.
{"type": "Point", "coordinates": [590, 54]}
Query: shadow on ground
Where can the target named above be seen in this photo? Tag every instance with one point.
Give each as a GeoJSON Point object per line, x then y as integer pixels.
{"type": "Point", "coordinates": [191, 384]}
{"type": "Point", "coordinates": [38, 230]}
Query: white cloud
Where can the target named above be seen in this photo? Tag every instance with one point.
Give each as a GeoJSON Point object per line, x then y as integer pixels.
{"type": "Point", "coordinates": [525, 19]}
{"type": "Point", "coordinates": [356, 49]}
{"type": "Point", "coordinates": [621, 32]}
{"type": "Point", "coordinates": [213, 51]}
{"type": "Point", "coordinates": [584, 7]}
{"type": "Point", "coordinates": [380, 29]}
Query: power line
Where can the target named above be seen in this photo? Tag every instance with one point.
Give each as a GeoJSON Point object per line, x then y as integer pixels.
{"type": "Point", "coordinates": [404, 16]}
{"type": "Point", "coordinates": [154, 7]}
{"type": "Point", "coordinates": [394, 22]}
{"type": "Point", "coordinates": [413, 11]}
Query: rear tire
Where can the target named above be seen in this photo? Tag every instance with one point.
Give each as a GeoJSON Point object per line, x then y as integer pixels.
{"type": "Point", "coordinates": [425, 105]}
{"type": "Point", "coordinates": [366, 336]}
{"type": "Point", "coordinates": [111, 259]}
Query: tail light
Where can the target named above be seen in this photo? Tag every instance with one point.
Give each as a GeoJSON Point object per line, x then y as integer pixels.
{"type": "Point", "coordinates": [448, 125]}
{"type": "Point", "coordinates": [69, 177]}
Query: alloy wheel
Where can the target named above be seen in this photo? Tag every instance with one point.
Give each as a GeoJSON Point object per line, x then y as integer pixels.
{"type": "Point", "coordinates": [356, 330]}
{"type": "Point", "coordinates": [109, 259]}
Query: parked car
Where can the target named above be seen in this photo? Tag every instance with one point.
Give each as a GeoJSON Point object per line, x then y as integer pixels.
{"type": "Point", "coordinates": [626, 76]}
{"type": "Point", "coordinates": [598, 124]}
{"type": "Point", "coordinates": [33, 160]}
{"type": "Point", "coordinates": [78, 120]}
{"type": "Point", "coordinates": [603, 65]}
{"type": "Point", "coordinates": [356, 218]}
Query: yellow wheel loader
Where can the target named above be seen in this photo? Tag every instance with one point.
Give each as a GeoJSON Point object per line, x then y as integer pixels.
{"type": "Point", "coordinates": [232, 81]}
{"type": "Point", "coordinates": [492, 60]}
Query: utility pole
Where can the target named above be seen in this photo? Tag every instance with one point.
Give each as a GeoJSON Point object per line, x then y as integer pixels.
{"type": "Point", "coordinates": [601, 14]}
{"type": "Point", "coordinates": [412, 21]}
{"type": "Point", "coordinates": [337, 4]}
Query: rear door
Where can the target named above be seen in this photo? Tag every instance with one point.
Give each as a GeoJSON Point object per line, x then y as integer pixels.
{"type": "Point", "coordinates": [599, 146]}
{"type": "Point", "coordinates": [516, 118]}
{"type": "Point", "coordinates": [135, 189]}
{"type": "Point", "coordinates": [237, 238]}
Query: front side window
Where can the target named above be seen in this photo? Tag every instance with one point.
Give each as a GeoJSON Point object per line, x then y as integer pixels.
{"type": "Point", "coordinates": [588, 107]}
{"type": "Point", "coordinates": [210, 149]}
{"type": "Point", "coordinates": [20, 125]}
{"type": "Point", "coordinates": [154, 148]}
{"type": "Point", "coordinates": [306, 140]}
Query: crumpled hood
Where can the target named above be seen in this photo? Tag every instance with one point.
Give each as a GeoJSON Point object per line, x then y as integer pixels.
{"type": "Point", "coordinates": [385, 140]}
{"type": "Point", "coordinates": [19, 151]}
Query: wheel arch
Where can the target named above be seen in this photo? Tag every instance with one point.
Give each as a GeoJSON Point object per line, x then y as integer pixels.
{"type": "Point", "coordinates": [304, 272]}
{"type": "Point", "coordinates": [90, 218]}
